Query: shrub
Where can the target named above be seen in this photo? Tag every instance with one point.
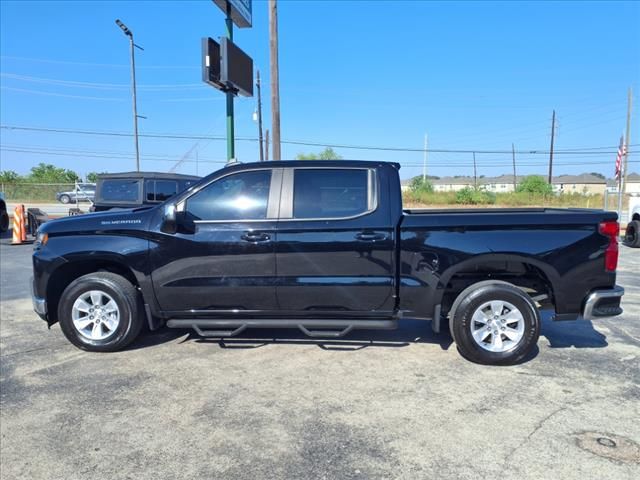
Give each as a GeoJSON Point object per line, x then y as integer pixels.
{"type": "Point", "coordinates": [474, 196]}
{"type": "Point", "coordinates": [535, 184]}
{"type": "Point", "coordinates": [420, 185]}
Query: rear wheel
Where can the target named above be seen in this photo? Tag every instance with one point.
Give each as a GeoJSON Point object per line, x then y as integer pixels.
{"type": "Point", "coordinates": [99, 312]}
{"type": "Point", "coordinates": [632, 234]}
{"type": "Point", "coordinates": [496, 324]}
{"type": "Point", "coordinates": [65, 199]}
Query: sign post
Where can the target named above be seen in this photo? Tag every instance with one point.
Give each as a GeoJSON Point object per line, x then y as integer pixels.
{"type": "Point", "coordinates": [233, 62]}
{"type": "Point", "coordinates": [231, 148]}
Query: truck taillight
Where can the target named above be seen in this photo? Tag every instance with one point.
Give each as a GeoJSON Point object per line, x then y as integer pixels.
{"type": "Point", "coordinates": [611, 230]}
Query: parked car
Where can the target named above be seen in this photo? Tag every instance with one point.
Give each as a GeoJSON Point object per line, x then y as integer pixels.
{"type": "Point", "coordinates": [136, 189]}
{"type": "Point", "coordinates": [4, 216]}
{"type": "Point", "coordinates": [83, 192]}
{"type": "Point", "coordinates": [326, 247]}
{"type": "Point", "coordinates": [632, 233]}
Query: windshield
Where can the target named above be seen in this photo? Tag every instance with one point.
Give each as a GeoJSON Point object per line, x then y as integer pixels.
{"type": "Point", "coordinates": [116, 191]}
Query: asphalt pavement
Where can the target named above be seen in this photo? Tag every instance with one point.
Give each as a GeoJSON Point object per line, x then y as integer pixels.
{"type": "Point", "coordinates": [275, 404]}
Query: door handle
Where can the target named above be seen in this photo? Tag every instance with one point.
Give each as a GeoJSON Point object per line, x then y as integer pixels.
{"type": "Point", "coordinates": [255, 237]}
{"type": "Point", "coordinates": [371, 237]}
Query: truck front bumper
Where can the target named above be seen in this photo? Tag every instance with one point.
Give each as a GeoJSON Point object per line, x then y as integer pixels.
{"type": "Point", "coordinates": [39, 304]}
{"type": "Point", "coordinates": [603, 303]}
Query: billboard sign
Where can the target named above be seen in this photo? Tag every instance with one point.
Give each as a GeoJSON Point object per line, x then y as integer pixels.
{"type": "Point", "coordinates": [236, 70]}
{"type": "Point", "coordinates": [239, 10]}
{"type": "Point", "coordinates": [211, 64]}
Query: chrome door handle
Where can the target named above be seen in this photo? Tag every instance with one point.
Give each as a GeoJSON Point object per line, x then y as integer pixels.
{"type": "Point", "coordinates": [255, 237]}
{"type": "Point", "coordinates": [370, 237]}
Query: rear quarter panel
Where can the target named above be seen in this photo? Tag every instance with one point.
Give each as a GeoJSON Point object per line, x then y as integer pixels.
{"type": "Point", "coordinates": [564, 244]}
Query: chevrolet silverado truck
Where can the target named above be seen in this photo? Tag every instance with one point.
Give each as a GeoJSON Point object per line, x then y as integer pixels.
{"type": "Point", "coordinates": [326, 247]}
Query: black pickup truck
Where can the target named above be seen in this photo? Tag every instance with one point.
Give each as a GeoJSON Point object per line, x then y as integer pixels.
{"type": "Point", "coordinates": [326, 247]}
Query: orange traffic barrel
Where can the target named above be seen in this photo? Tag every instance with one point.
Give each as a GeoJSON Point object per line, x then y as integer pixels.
{"type": "Point", "coordinates": [19, 228]}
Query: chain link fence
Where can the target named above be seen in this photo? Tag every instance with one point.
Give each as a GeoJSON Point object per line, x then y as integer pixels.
{"type": "Point", "coordinates": [34, 192]}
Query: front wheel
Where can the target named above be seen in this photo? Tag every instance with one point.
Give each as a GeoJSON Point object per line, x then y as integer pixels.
{"type": "Point", "coordinates": [99, 312]}
{"type": "Point", "coordinates": [496, 324]}
{"type": "Point", "coordinates": [65, 199]}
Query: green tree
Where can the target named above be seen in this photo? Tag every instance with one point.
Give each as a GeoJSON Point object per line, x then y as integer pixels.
{"type": "Point", "coordinates": [326, 154]}
{"type": "Point", "coordinates": [418, 185]}
{"type": "Point", "coordinates": [93, 176]}
{"type": "Point", "coordinates": [9, 176]}
{"type": "Point", "coordinates": [47, 173]}
{"type": "Point", "coordinates": [535, 184]}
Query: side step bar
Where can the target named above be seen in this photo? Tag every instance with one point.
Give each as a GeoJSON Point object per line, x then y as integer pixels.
{"type": "Point", "coordinates": [317, 328]}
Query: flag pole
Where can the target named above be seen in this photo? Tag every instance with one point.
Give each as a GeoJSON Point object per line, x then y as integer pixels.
{"type": "Point", "coordinates": [620, 172]}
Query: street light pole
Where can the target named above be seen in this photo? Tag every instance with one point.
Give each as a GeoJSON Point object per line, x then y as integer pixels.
{"type": "Point", "coordinates": [132, 45]}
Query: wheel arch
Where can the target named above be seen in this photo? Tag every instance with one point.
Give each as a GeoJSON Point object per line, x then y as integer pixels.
{"type": "Point", "coordinates": [67, 272]}
{"type": "Point", "coordinates": [448, 287]}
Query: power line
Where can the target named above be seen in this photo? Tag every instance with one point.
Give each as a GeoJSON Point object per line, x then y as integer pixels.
{"type": "Point", "coordinates": [90, 64]}
{"type": "Point", "coordinates": [585, 151]}
{"type": "Point", "coordinates": [95, 85]}
{"type": "Point", "coordinates": [65, 95]}
{"type": "Point", "coordinates": [58, 151]}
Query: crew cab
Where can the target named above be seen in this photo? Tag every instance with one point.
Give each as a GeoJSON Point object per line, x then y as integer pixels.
{"type": "Point", "coordinates": [326, 247]}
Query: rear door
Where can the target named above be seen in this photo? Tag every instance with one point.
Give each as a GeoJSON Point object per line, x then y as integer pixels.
{"type": "Point", "coordinates": [334, 252]}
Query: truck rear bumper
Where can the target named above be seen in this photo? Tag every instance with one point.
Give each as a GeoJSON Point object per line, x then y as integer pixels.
{"type": "Point", "coordinates": [603, 303]}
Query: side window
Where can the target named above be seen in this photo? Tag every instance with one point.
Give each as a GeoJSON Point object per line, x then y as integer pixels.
{"type": "Point", "coordinates": [241, 196]}
{"type": "Point", "coordinates": [149, 190]}
{"type": "Point", "coordinates": [329, 193]}
{"type": "Point", "coordinates": [165, 189]}
{"type": "Point", "coordinates": [160, 190]}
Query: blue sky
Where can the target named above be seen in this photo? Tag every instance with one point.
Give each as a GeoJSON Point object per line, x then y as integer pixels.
{"type": "Point", "coordinates": [473, 76]}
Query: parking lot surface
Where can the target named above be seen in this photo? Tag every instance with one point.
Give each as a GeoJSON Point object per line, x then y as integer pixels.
{"type": "Point", "coordinates": [275, 404]}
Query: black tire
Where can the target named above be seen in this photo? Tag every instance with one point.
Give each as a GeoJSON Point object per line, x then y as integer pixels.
{"type": "Point", "coordinates": [632, 234]}
{"type": "Point", "coordinates": [473, 299]}
{"type": "Point", "coordinates": [65, 199]}
{"type": "Point", "coordinates": [125, 296]}
{"type": "Point", "coordinates": [4, 221]}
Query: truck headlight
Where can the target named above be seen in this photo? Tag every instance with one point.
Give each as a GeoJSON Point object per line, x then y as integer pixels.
{"type": "Point", "coordinates": [41, 240]}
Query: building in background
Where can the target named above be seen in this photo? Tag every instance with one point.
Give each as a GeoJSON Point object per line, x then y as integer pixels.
{"type": "Point", "coordinates": [586, 183]}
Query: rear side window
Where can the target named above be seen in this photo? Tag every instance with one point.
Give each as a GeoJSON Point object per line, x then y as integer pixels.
{"type": "Point", "coordinates": [160, 190]}
{"type": "Point", "coordinates": [329, 193]}
{"type": "Point", "coordinates": [240, 196]}
{"type": "Point", "coordinates": [120, 191]}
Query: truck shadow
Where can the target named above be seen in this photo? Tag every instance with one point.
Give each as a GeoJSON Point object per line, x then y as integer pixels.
{"type": "Point", "coordinates": [576, 334]}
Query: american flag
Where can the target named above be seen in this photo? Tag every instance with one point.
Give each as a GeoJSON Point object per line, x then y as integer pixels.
{"type": "Point", "coordinates": [621, 150]}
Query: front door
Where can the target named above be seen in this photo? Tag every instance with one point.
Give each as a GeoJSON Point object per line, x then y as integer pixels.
{"type": "Point", "coordinates": [222, 259]}
{"type": "Point", "coordinates": [335, 243]}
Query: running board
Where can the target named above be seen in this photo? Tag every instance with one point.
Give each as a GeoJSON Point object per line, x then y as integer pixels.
{"type": "Point", "coordinates": [316, 328]}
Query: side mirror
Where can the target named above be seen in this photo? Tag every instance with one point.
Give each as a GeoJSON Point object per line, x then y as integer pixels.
{"type": "Point", "coordinates": [169, 219]}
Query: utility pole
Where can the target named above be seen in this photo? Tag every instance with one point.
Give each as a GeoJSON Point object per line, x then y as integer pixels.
{"type": "Point", "coordinates": [266, 145]}
{"type": "Point", "coordinates": [513, 155]}
{"type": "Point", "coordinates": [275, 81]}
{"type": "Point", "coordinates": [133, 46]}
{"type": "Point", "coordinates": [231, 147]}
{"type": "Point", "coordinates": [424, 161]}
{"type": "Point", "coordinates": [259, 116]}
{"type": "Point", "coordinates": [475, 172]}
{"type": "Point", "coordinates": [553, 131]}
